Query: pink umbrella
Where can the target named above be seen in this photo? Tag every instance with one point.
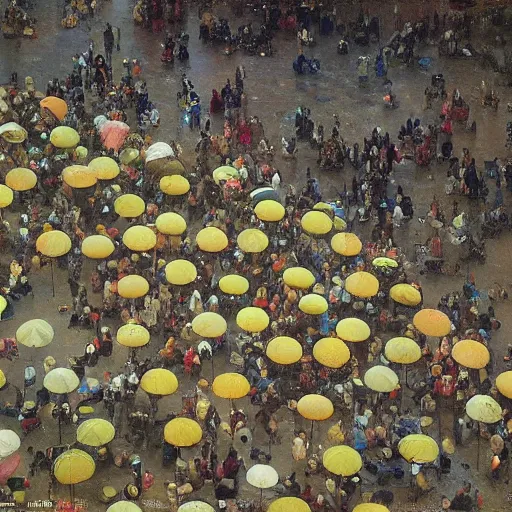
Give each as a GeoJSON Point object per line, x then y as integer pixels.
{"type": "Point", "coordinates": [8, 466]}
{"type": "Point", "coordinates": [113, 134]}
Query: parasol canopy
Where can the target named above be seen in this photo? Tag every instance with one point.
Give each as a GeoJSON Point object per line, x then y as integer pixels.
{"type": "Point", "coordinates": [252, 319]}
{"type": "Point", "coordinates": [211, 240]}
{"type": "Point", "coordinates": [183, 432]}
{"type": "Point", "coordinates": [174, 185]}
{"type": "Point", "coordinates": [21, 179]}
{"type": "Point", "coordinates": [313, 304]}
{"type": "Point", "coordinates": [483, 408]}
{"type": "Point", "coordinates": [234, 284]}
{"type": "Point", "coordinates": [104, 168]}
{"type": "Point", "coordinates": [381, 379]}
{"type": "Point", "coordinates": [159, 150]}
{"type": "Point", "coordinates": [262, 476]}
{"type": "Point", "coordinates": [471, 354]}
{"type": "Point", "coordinates": [129, 206]}
{"type": "Point", "coordinates": [289, 504]}
{"type": "Point", "coordinates": [95, 432]}
{"type": "Point", "coordinates": [196, 506]}
{"type": "Point", "coordinates": [13, 133]}
{"type": "Point", "coordinates": [132, 336]}
{"type": "Point", "coordinates": [315, 407]}
{"type": "Point", "coordinates": [346, 244]}
{"type": "Point", "coordinates": [9, 443]}
{"type": "Point", "coordinates": [8, 467]}
{"type": "Point", "coordinates": [353, 329]}
{"type": "Point", "coordinates": [418, 448]}
{"type": "Point", "coordinates": [180, 272]}
{"type": "Point", "coordinates": [57, 106]}
{"type": "Point", "coordinates": [113, 134]}
{"type": "Point", "coordinates": [224, 173]}
{"type": "Point", "coordinates": [362, 284]}
{"type": "Point", "coordinates": [129, 155]}
{"type": "Point", "coordinates": [298, 277]}
{"type": "Point", "coordinates": [382, 261]}
{"type": "Point", "coordinates": [73, 467]}
{"type": "Point", "coordinates": [230, 386]}
{"type": "Point", "coordinates": [284, 350]}
{"type": "Point", "coordinates": [432, 322]}
{"type": "Point", "coordinates": [252, 241]}
{"type": "Point", "coordinates": [53, 244]}
{"type": "Point", "coordinates": [6, 196]}
{"type": "Point", "coordinates": [405, 294]}
{"type": "Point", "coordinates": [339, 224]}
{"type": "Point", "coordinates": [35, 333]}
{"type": "Point", "coordinates": [64, 137]}
{"type": "Point", "coordinates": [342, 461]}
{"type": "Point", "coordinates": [171, 223]}
{"type": "Point", "coordinates": [124, 506]}
{"type": "Point", "coordinates": [139, 238]}
{"type": "Point", "coordinates": [331, 352]}
{"type": "Point", "coordinates": [3, 379]}
{"type": "Point", "coordinates": [504, 383]}
{"type": "Point", "coordinates": [209, 325]}
{"type": "Point", "coordinates": [316, 223]}
{"type": "Point", "coordinates": [79, 176]}
{"type": "Point", "coordinates": [402, 350]}
{"type": "Point", "coordinates": [132, 287]}
{"type": "Point", "coordinates": [370, 507]}
{"type": "Point", "coordinates": [97, 247]}
{"type": "Point", "coordinates": [159, 381]}
{"type": "Point", "coordinates": [61, 380]}
{"type": "Point", "coordinates": [269, 211]}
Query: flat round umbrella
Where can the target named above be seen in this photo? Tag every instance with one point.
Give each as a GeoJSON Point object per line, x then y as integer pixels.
{"type": "Point", "coordinates": [159, 381]}
{"type": "Point", "coordinates": [159, 150]}
{"type": "Point", "coordinates": [483, 408]}
{"type": "Point", "coordinates": [3, 379]}
{"type": "Point", "coordinates": [331, 352]}
{"type": "Point", "coordinates": [132, 287]}
{"type": "Point", "coordinates": [132, 336]}
{"type": "Point", "coordinates": [342, 461]}
{"type": "Point", "coordinates": [316, 223]}
{"type": "Point", "coordinates": [6, 196]}
{"type": "Point", "coordinates": [339, 224]}
{"type": "Point", "coordinates": [79, 176]}
{"type": "Point", "coordinates": [370, 507]}
{"type": "Point", "coordinates": [61, 380]}
{"type": "Point", "coordinates": [224, 173]}
{"type": "Point", "coordinates": [124, 506]}
{"type": "Point", "coordinates": [64, 137]}
{"type": "Point", "coordinates": [171, 223]}
{"type": "Point", "coordinates": [289, 504]}
{"type": "Point", "coordinates": [230, 386]}
{"type": "Point", "coordinates": [432, 322]}
{"type": "Point", "coordinates": [353, 329]}
{"type": "Point", "coordinates": [104, 167]}
{"type": "Point", "coordinates": [183, 432]}
{"type": "Point", "coordinates": [129, 206]}
{"type": "Point", "coordinates": [73, 467]}
{"type": "Point", "coordinates": [180, 272]}
{"type": "Point", "coordinates": [362, 284]}
{"type": "Point", "coordinates": [234, 284]}
{"type": "Point", "coordinates": [97, 247]}
{"type": "Point", "coordinates": [402, 350]}
{"type": "Point", "coordinates": [315, 407]}
{"type": "Point", "coordinates": [8, 467]}
{"type": "Point", "coordinates": [129, 155]}
{"type": "Point", "coordinates": [471, 354]}
{"type": "Point", "coordinates": [57, 106]}
{"type": "Point", "coordinates": [174, 185]}
{"type": "Point", "coordinates": [35, 333]}
{"type": "Point", "coordinates": [21, 179]}
{"type": "Point", "coordinates": [252, 241]}
{"type": "Point", "coordinates": [9, 443]}
{"type": "Point", "coordinates": [284, 350]}
{"type": "Point", "coordinates": [313, 304]}
{"type": "Point", "coordinates": [504, 383]}
{"type": "Point", "coordinates": [346, 244]}
{"type": "Point", "coordinates": [269, 211]}
{"type": "Point", "coordinates": [252, 319]}
{"type": "Point", "coordinates": [418, 448]}
{"type": "Point", "coordinates": [95, 432]}
{"type": "Point", "coordinates": [196, 506]}
{"type": "Point", "coordinates": [209, 325]}
{"type": "Point", "coordinates": [13, 133]}
{"type": "Point", "coordinates": [211, 240]}
{"type": "Point", "coordinates": [405, 294]}
{"type": "Point", "coordinates": [381, 261]}
{"type": "Point", "coordinates": [53, 244]}
{"type": "Point", "coordinates": [139, 238]}
{"type": "Point", "coordinates": [326, 207]}
{"type": "Point", "coordinates": [381, 379]}
{"type": "Point", "coordinates": [3, 304]}
{"type": "Point", "coordinates": [262, 476]}
{"type": "Point", "coordinates": [298, 277]}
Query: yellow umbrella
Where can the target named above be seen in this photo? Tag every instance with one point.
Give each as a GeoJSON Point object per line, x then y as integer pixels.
{"type": "Point", "coordinates": [316, 223]}
{"type": "Point", "coordinates": [53, 244]}
{"type": "Point", "coordinates": [209, 325]}
{"type": "Point", "coordinates": [313, 304]}
{"type": "Point", "coordinates": [124, 506]}
{"type": "Point", "coordinates": [139, 238]}
{"type": "Point", "coordinates": [252, 240]}
{"type": "Point", "coordinates": [64, 137]}
{"type": "Point", "coordinates": [362, 284]}
{"type": "Point", "coordinates": [21, 179]}
{"type": "Point", "coordinates": [483, 408]}
{"type": "Point", "coordinates": [132, 336]}
{"type": "Point", "coordinates": [290, 504]}
{"type": "Point", "coordinates": [405, 294]}
{"type": "Point", "coordinates": [504, 383]}
{"type": "Point", "coordinates": [284, 350]}
{"type": "Point", "coordinates": [339, 224]}
{"type": "Point", "coordinates": [6, 196]}
{"type": "Point", "coordinates": [159, 381]}
{"type": "Point", "coordinates": [183, 432]}
{"type": "Point", "coordinates": [79, 176]}
{"type": "Point", "coordinates": [432, 322]}
{"type": "Point", "coordinates": [129, 206]}
{"type": "Point", "coordinates": [342, 461]}
{"type": "Point", "coordinates": [180, 272]}
{"type": "Point", "coordinates": [230, 386]}
{"type": "Point", "coordinates": [331, 352]}
{"type": "Point", "coordinates": [353, 329]}
{"type": "Point", "coordinates": [402, 350]}
{"type": "Point", "coordinates": [384, 262]}
{"type": "Point", "coordinates": [211, 240]}
{"type": "Point", "coordinates": [471, 354]}
{"type": "Point", "coordinates": [35, 333]}
{"type": "Point", "coordinates": [61, 380]}
{"type": "Point", "coordinates": [269, 211]}
{"type": "Point", "coordinates": [370, 507]}
{"type": "Point", "coordinates": [346, 244]}
{"type": "Point", "coordinates": [128, 155]}
{"type": "Point", "coordinates": [234, 284]}
{"type": "Point", "coordinates": [174, 185]}
{"type": "Point", "coordinates": [252, 319]}
{"type": "Point", "coordinates": [315, 407]}
{"type": "Point", "coordinates": [381, 379]}
{"type": "Point", "coordinates": [3, 379]}
{"type": "Point", "coordinates": [224, 173]}
{"type": "Point", "coordinates": [132, 287]}
{"type": "Point", "coordinates": [104, 167]}
{"type": "Point", "coordinates": [95, 432]}
{"type": "Point", "coordinates": [171, 223]}
{"type": "Point", "coordinates": [323, 206]}
{"type": "Point", "coordinates": [3, 304]}
{"type": "Point", "coordinates": [73, 467]}
{"type": "Point", "coordinates": [97, 247]}
{"type": "Point", "coordinates": [196, 506]}
{"type": "Point", "coordinates": [298, 277]}
{"type": "Point", "coordinates": [418, 448]}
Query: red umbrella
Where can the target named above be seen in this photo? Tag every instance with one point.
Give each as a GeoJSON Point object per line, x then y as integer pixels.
{"type": "Point", "coordinates": [113, 134]}
{"type": "Point", "coordinates": [8, 466]}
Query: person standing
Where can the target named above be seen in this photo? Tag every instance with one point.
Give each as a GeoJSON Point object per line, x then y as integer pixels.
{"type": "Point", "coordinates": [108, 41]}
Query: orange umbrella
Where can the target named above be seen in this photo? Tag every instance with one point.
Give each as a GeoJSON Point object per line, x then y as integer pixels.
{"type": "Point", "coordinates": [432, 322]}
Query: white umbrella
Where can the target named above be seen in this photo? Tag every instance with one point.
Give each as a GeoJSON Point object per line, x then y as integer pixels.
{"type": "Point", "coordinates": [9, 443]}
{"type": "Point", "coordinates": [196, 506]}
{"type": "Point", "coordinates": [262, 477]}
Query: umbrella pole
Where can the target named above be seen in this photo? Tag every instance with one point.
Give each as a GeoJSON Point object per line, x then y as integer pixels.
{"type": "Point", "coordinates": [261, 499]}
{"type": "Point", "coordinates": [72, 494]}
{"type": "Point", "coordinates": [53, 280]}
{"type": "Point", "coordinates": [312, 429]}
{"type": "Point", "coordinates": [60, 426]}
{"type": "Point", "coordinates": [478, 448]}
{"type": "Point", "coordinates": [213, 369]}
